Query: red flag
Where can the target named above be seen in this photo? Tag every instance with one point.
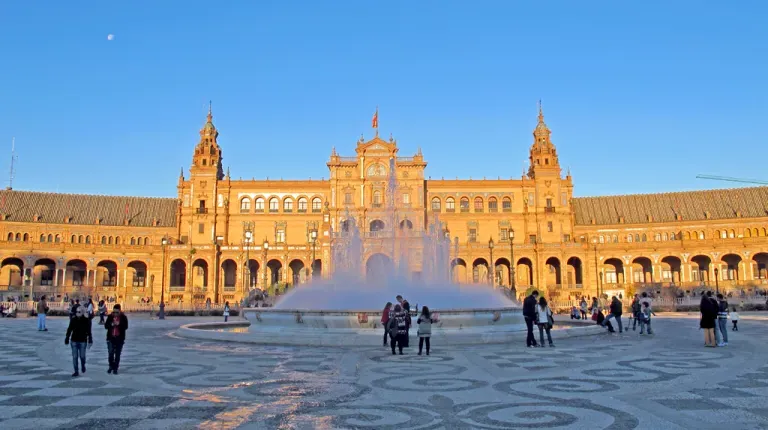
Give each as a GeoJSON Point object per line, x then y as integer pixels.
{"type": "Point", "coordinates": [375, 119]}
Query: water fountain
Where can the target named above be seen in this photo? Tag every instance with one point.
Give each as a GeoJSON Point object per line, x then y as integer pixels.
{"type": "Point", "coordinates": [346, 308]}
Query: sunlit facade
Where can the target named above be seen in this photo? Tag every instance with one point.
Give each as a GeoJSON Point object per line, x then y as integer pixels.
{"type": "Point", "coordinates": [221, 238]}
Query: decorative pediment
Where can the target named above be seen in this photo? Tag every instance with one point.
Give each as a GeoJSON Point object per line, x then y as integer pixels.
{"type": "Point", "coordinates": [377, 145]}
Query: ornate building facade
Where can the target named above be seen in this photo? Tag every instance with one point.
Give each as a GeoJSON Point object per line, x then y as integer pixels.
{"type": "Point", "coordinates": [222, 238]}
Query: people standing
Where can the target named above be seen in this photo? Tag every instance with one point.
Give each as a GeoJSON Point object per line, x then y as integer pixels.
{"type": "Point", "coordinates": [42, 309]}
{"type": "Point", "coordinates": [715, 309]}
{"type": "Point", "coordinates": [79, 332]}
{"type": "Point", "coordinates": [398, 330]}
{"type": "Point", "coordinates": [226, 311]}
{"type": "Point", "coordinates": [407, 310]}
{"type": "Point", "coordinates": [102, 312]}
{"type": "Point", "coordinates": [644, 299]}
{"type": "Point", "coordinates": [116, 325]}
{"type": "Point", "coordinates": [583, 307]}
{"type": "Point", "coordinates": [637, 309]}
{"type": "Point", "coordinates": [615, 314]}
{"type": "Point", "coordinates": [385, 320]}
{"type": "Point", "coordinates": [545, 321]}
{"type": "Point", "coordinates": [89, 309]}
{"type": "Point", "coordinates": [707, 322]}
{"type": "Point", "coordinates": [645, 317]}
{"type": "Point", "coordinates": [529, 313]}
{"type": "Point", "coordinates": [722, 318]}
{"type": "Point", "coordinates": [425, 328]}
{"type": "Point", "coordinates": [735, 319]}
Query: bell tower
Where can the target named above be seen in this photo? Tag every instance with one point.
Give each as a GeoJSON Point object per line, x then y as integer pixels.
{"type": "Point", "coordinates": [543, 155]}
{"type": "Point", "coordinates": [206, 160]}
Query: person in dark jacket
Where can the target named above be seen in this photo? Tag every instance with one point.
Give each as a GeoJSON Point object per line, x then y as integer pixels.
{"type": "Point", "coordinates": [529, 313]}
{"type": "Point", "coordinates": [116, 325]}
{"type": "Point", "coordinates": [79, 332]}
{"type": "Point", "coordinates": [708, 311]}
{"type": "Point", "coordinates": [398, 329]}
{"type": "Point", "coordinates": [615, 314]}
{"type": "Point", "coordinates": [407, 310]}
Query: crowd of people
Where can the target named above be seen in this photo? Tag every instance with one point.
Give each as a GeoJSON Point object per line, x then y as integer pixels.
{"type": "Point", "coordinates": [79, 333]}
{"type": "Point", "coordinates": [397, 323]}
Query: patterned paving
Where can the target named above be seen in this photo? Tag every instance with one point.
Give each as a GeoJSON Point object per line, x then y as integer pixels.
{"type": "Point", "coordinates": [668, 380]}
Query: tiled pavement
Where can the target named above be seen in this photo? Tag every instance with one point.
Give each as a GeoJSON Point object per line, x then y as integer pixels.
{"type": "Point", "coordinates": [607, 381]}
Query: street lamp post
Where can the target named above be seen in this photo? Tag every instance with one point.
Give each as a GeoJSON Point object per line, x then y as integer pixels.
{"type": "Point", "coordinates": [161, 313]}
{"type": "Point", "coordinates": [512, 261]}
{"type": "Point", "coordinates": [717, 280]}
{"type": "Point", "coordinates": [313, 238]}
{"type": "Point", "coordinates": [491, 267]}
{"type": "Point", "coordinates": [247, 239]}
{"type": "Point", "coordinates": [597, 277]}
{"type": "Point", "coordinates": [264, 259]}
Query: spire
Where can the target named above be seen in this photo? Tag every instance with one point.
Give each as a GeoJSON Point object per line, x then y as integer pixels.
{"type": "Point", "coordinates": [543, 153]}
{"type": "Point", "coordinates": [207, 152]}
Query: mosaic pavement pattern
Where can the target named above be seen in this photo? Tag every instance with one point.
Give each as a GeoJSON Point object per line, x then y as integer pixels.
{"type": "Point", "coordinates": [668, 380]}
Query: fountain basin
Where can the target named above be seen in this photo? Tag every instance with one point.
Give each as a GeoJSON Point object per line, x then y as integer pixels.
{"type": "Point", "coordinates": [363, 328]}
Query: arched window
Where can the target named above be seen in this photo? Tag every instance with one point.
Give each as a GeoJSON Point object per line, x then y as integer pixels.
{"type": "Point", "coordinates": [73, 239]}
{"type": "Point", "coordinates": [18, 237]}
{"type": "Point", "coordinates": [50, 238]}
{"type": "Point", "coordinates": [701, 235]}
{"type": "Point", "coordinates": [317, 205]}
{"type": "Point", "coordinates": [302, 204]}
{"type": "Point", "coordinates": [731, 234]}
{"type": "Point", "coordinates": [57, 239]}
{"type": "Point", "coordinates": [133, 241]}
{"type": "Point", "coordinates": [673, 236]}
{"type": "Point", "coordinates": [103, 240]}
{"type": "Point", "coordinates": [436, 204]}
{"type": "Point", "coordinates": [464, 204]}
{"type": "Point", "coordinates": [629, 238]}
{"type": "Point", "coordinates": [645, 238]}
{"type": "Point", "coordinates": [377, 200]}
{"type": "Point", "coordinates": [479, 204]}
{"type": "Point", "coordinates": [117, 240]}
{"type": "Point", "coordinates": [259, 204]}
{"type": "Point", "coordinates": [493, 205]}
{"type": "Point", "coordinates": [506, 204]}
{"type": "Point", "coordinates": [657, 237]}
{"type": "Point", "coordinates": [10, 237]}
{"type": "Point", "coordinates": [601, 239]}
{"type": "Point", "coordinates": [88, 239]}
{"type": "Point", "coordinates": [26, 237]}
{"type": "Point", "coordinates": [245, 204]}
{"type": "Point", "coordinates": [80, 239]}
{"type": "Point", "coordinates": [147, 241]}
{"type": "Point", "coordinates": [450, 204]}
{"type": "Point", "coordinates": [615, 239]}
{"type": "Point", "coordinates": [42, 238]}
{"type": "Point", "coordinates": [288, 205]}
{"type": "Point", "coordinates": [274, 204]}
{"type": "Point", "coordinates": [111, 240]}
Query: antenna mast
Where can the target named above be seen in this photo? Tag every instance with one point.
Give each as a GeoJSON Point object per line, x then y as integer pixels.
{"type": "Point", "coordinates": [13, 159]}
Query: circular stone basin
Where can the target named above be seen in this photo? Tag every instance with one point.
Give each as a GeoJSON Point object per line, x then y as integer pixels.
{"type": "Point", "coordinates": [364, 328]}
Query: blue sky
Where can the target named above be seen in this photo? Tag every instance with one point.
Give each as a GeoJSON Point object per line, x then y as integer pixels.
{"type": "Point", "coordinates": [640, 96]}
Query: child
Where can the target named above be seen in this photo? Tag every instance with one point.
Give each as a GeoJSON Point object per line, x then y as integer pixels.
{"type": "Point", "coordinates": [644, 318]}
{"type": "Point", "coordinates": [575, 315]}
{"type": "Point", "coordinates": [735, 319]}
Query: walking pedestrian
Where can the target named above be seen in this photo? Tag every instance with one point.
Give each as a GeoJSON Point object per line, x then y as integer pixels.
{"type": "Point", "coordinates": [735, 318]}
{"type": "Point", "coordinates": [425, 328]}
{"type": "Point", "coordinates": [529, 313]}
{"type": "Point", "coordinates": [79, 332]}
{"type": "Point", "coordinates": [116, 325]}
{"type": "Point", "coordinates": [42, 309]}
{"type": "Point", "coordinates": [226, 311]}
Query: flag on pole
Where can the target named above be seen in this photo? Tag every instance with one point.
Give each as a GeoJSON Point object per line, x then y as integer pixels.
{"type": "Point", "coordinates": [375, 119]}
